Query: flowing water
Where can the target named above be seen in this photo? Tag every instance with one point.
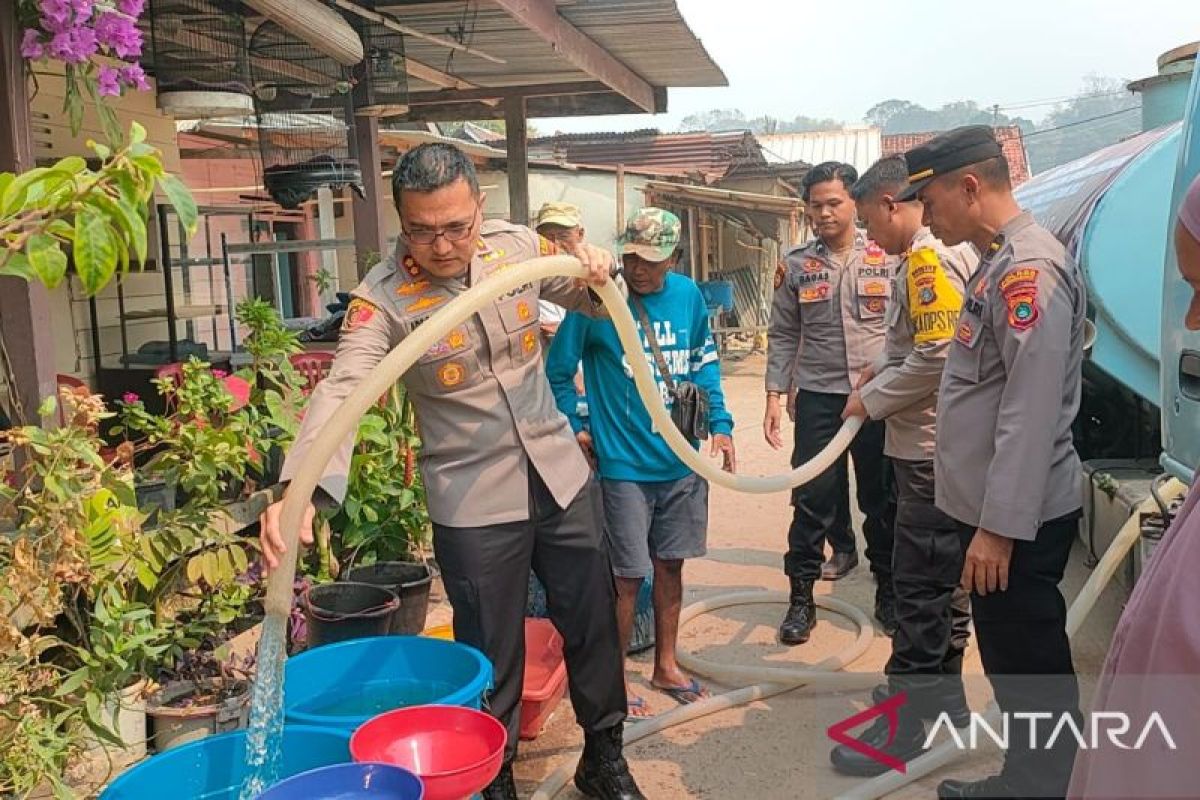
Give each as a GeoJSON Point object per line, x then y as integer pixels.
{"type": "Point", "coordinates": [265, 735]}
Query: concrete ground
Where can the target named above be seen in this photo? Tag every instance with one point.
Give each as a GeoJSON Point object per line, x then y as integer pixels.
{"type": "Point", "coordinates": [777, 749]}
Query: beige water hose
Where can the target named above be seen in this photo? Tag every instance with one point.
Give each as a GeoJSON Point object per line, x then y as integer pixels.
{"type": "Point", "coordinates": [766, 680]}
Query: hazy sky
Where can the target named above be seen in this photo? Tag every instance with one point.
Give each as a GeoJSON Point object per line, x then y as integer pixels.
{"type": "Point", "coordinates": [837, 59]}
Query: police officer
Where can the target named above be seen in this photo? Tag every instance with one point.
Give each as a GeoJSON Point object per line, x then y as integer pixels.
{"type": "Point", "coordinates": [932, 609]}
{"type": "Point", "coordinates": [827, 325]}
{"type": "Point", "coordinates": [1006, 468]}
{"type": "Point", "coordinates": [507, 485]}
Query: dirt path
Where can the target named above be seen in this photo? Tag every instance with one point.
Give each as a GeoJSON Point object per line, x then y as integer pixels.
{"type": "Point", "coordinates": [778, 749]}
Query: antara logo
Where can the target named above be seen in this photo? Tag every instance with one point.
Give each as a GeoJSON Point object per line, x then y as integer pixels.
{"type": "Point", "coordinates": [1098, 729]}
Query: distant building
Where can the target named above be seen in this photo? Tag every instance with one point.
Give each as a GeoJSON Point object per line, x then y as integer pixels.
{"type": "Point", "coordinates": [1009, 137]}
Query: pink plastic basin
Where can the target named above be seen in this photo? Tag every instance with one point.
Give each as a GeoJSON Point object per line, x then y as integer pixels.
{"type": "Point", "coordinates": [455, 751]}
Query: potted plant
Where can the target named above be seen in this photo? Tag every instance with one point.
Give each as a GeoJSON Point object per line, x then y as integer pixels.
{"type": "Point", "coordinates": [204, 688]}
{"type": "Point", "coordinates": [381, 529]}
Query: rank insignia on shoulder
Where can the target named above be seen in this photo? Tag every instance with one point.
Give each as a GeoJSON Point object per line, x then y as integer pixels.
{"type": "Point", "coordinates": [424, 303]}
{"type": "Point", "coordinates": [411, 266]}
{"type": "Point", "coordinates": [358, 313]}
{"type": "Point", "coordinates": [780, 274]}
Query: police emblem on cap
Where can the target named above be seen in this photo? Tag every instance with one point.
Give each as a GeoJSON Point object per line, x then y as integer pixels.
{"type": "Point", "coordinates": [947, 152]}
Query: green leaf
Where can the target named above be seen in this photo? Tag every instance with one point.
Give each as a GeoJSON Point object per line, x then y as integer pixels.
{"type": "Point", "coordinates": [181, 199]}
{"type": "Point", "coordinates": [95, 251]}
{"type": "Point", "coordinates": [18, 266]}
{"type": "Point", "coordinates": [136, 220]}
{"type": "Point", "coordinates": [73, 682]}
{"type": "Point", "coordinates": [14, 194]}
{"type": "Point", "coordinates": [72, 164]}
{"type": "Point", "coordinates": [194, 567]}
{"type": "Point", "coordinates": [47, 259]}
{"type": "Point", "coordinates": [48, 406]}
{"type": "Point", "coordinates": [103, 151]}
{"type": "Point", "coordinates": [137, 134]}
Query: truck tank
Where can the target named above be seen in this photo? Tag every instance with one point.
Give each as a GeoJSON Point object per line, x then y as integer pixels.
{"type": "Point", "coordinates": [1114, 211]}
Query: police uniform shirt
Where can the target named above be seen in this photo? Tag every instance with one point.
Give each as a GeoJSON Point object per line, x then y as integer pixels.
{"type": "Point", "coordinates": [1010, 390]}
{"type": "Point", "coordinates": [484, 408]}
{"type": "Point", "coordinates": [927, 294]}
{"type": "Point", "coordinates": [827, 319]}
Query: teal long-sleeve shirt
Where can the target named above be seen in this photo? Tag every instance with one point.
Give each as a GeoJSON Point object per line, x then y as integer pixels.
{"type": "Point", "coordinates": [626, 444]}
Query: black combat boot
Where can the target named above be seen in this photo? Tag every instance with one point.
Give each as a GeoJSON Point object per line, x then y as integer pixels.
{"type": "Point", "coordinates": [907, 744]}
{"type": "Point", "coordinates": [503, 787]}
{"type": "Point", "coordinates": [993, 788]}
{"type": "Point", "coordinates": [885, 604]}
{"type": "Point", "coordinates": [951, 697]}
{"type": "Point", "coordinates": [839, 565]}
{"type": "Point", "coordinates": [602, 771]}
{"type": "Point", "coordinates": [801, 614]}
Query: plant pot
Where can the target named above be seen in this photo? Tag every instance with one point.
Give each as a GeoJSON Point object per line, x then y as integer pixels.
{"type": "Point", "coordinates": [154, 493]}
{"type": "Point", "coordinates": [174, 724]}
{"type": "Point", "coordinates": [123, 714]}
{"type": "Point", "coordinates": [410, 581]}
{"type": "Point", "coordinates": [335, 612]}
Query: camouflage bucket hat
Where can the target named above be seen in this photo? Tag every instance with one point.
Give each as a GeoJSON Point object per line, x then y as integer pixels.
{"type": "Point", "coordinates": [652, 233]}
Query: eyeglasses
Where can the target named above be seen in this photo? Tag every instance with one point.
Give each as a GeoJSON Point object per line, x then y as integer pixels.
{"type": "Point", "coordinates": [451, 233]}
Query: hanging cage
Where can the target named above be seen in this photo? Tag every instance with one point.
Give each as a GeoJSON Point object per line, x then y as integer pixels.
{"type": "Point", "coordinates": [200, 63]}
{"type": "Point", "coordinates": [381, 79]}
{"type": "Point", "coordinates": [305, 117]}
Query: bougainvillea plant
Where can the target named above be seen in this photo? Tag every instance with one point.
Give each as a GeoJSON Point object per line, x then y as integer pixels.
{"type": "Point", "coordinates": [98, 44]}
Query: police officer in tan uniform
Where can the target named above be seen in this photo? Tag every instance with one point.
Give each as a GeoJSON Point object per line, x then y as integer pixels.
{"type": "Point", "coordinates": [507, 485]}
{"type": "Point", "coordinates": [827, 325]}
{"type": "Point", "coordinates": [932, 609]}
{"type": "Point", "coordinates": [1006, 468]}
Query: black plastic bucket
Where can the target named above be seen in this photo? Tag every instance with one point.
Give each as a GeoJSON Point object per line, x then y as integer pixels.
{"type": "Point", "coordinates": [345, 610]}
{"type": "Point", "coordinates": [410, 581]}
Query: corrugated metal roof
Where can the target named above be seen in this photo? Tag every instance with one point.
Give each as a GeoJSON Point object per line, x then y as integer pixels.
{"type": "Point", "coordinates": [649, 36]}
{"type": "Point", "coordinates": [1009, 136]}
{"type": "Point", "coordinates": [860, 147]}
{"type": "Point", "coordinates": [708, 154]}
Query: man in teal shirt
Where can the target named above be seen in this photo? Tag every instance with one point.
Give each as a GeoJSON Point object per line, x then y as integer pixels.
{"type": "Point", "coordinates": [656, 509]}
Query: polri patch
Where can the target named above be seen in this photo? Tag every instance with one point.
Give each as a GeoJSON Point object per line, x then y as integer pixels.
{"type": "Point", "coordinates": [546, 247]}
{"type": "Point", "coordinates": [780, 274]}
{"type": "Point", "coordinates": [1020, 290]}
{"type": "Point", "coordinates": [358, 313]}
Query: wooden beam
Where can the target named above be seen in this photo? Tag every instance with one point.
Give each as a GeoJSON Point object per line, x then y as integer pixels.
{"type": "Point", "coordinates": [429, 74]}
{"type": "Point", "coordinates": [368, 211]}
{"type": "Point", "coordinates": [516, 133]}
{"type": "Point", "coordinates": [391, 24]}
{"type": "Point", "coordinates": [542, 17]}
{"type": "Point", "coordinates": [25, 319]}
{"type": "Point", "coordinates": [578, 105]}
{"type": "Point", "coordinates": [505, 92]}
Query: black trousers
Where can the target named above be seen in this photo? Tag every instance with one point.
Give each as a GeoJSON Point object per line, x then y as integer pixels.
{"type": "Point", "coordinates": [821, 507]}
{"type": "Point", "coordinates": [486, 574]}
{"type": "Point", "coordinates": [1026, 655]}
{"type": "Point", "coordinates": [933, 612]}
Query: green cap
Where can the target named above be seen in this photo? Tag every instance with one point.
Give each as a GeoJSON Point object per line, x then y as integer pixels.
{"type": "Point", "coordinates": [652, 233]}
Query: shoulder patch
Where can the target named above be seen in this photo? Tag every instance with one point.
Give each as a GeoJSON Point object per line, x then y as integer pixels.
{"type": "Point", "coordinates": [1020, 291]}
{"type": "Point", "coordinates": [358, 313]}
{"type": "Point", "coordinates": [780, 274]}
{"type": "Point", "coordinates": [546, 247]}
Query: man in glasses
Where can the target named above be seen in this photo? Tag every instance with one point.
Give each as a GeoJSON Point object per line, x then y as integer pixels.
{"type": "Point", "coordinates": [562, 224]}
{"type": "Point", "coordinates": [932, 610]}
{"type": "Point", "coordinates": [507, 486]}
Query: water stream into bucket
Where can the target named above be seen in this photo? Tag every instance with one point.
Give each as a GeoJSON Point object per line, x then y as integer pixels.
{"type": "Point", "coordinates": [265, 734]}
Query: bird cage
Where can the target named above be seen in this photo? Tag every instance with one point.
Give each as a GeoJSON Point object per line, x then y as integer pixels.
{"type": "Point", "coordinates": [305, 117]}
{"type": "Point", "coordinates": [199, 54]}
{"type": "Point", "coordinates": [381, 79]}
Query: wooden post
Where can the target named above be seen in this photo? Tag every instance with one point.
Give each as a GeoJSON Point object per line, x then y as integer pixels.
{"type": "Point", "coordinates": [516, 130]}
{"type": "Point", "coordinates": [620, 199]}
{"type": "Point", "coordinates": [693, 249]}
{"type": "Point", "coordinates": [25, 320]}
{"type": "Point", "coordinates": [704, 223]}
{"type": "Point", "coordinates": [327, 229]}
{"type": "Point", "coordinates": [368, 212]}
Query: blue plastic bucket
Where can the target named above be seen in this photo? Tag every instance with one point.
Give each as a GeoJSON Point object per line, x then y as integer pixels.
{"type": "Point", "coordinates": [718, 293]}
{"type": "Point", "coordinates": [345, 684]}
{"type": "Point", "coordinates": [349, 782]}
{"type": "Point", "coordinates": [214, 768]}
